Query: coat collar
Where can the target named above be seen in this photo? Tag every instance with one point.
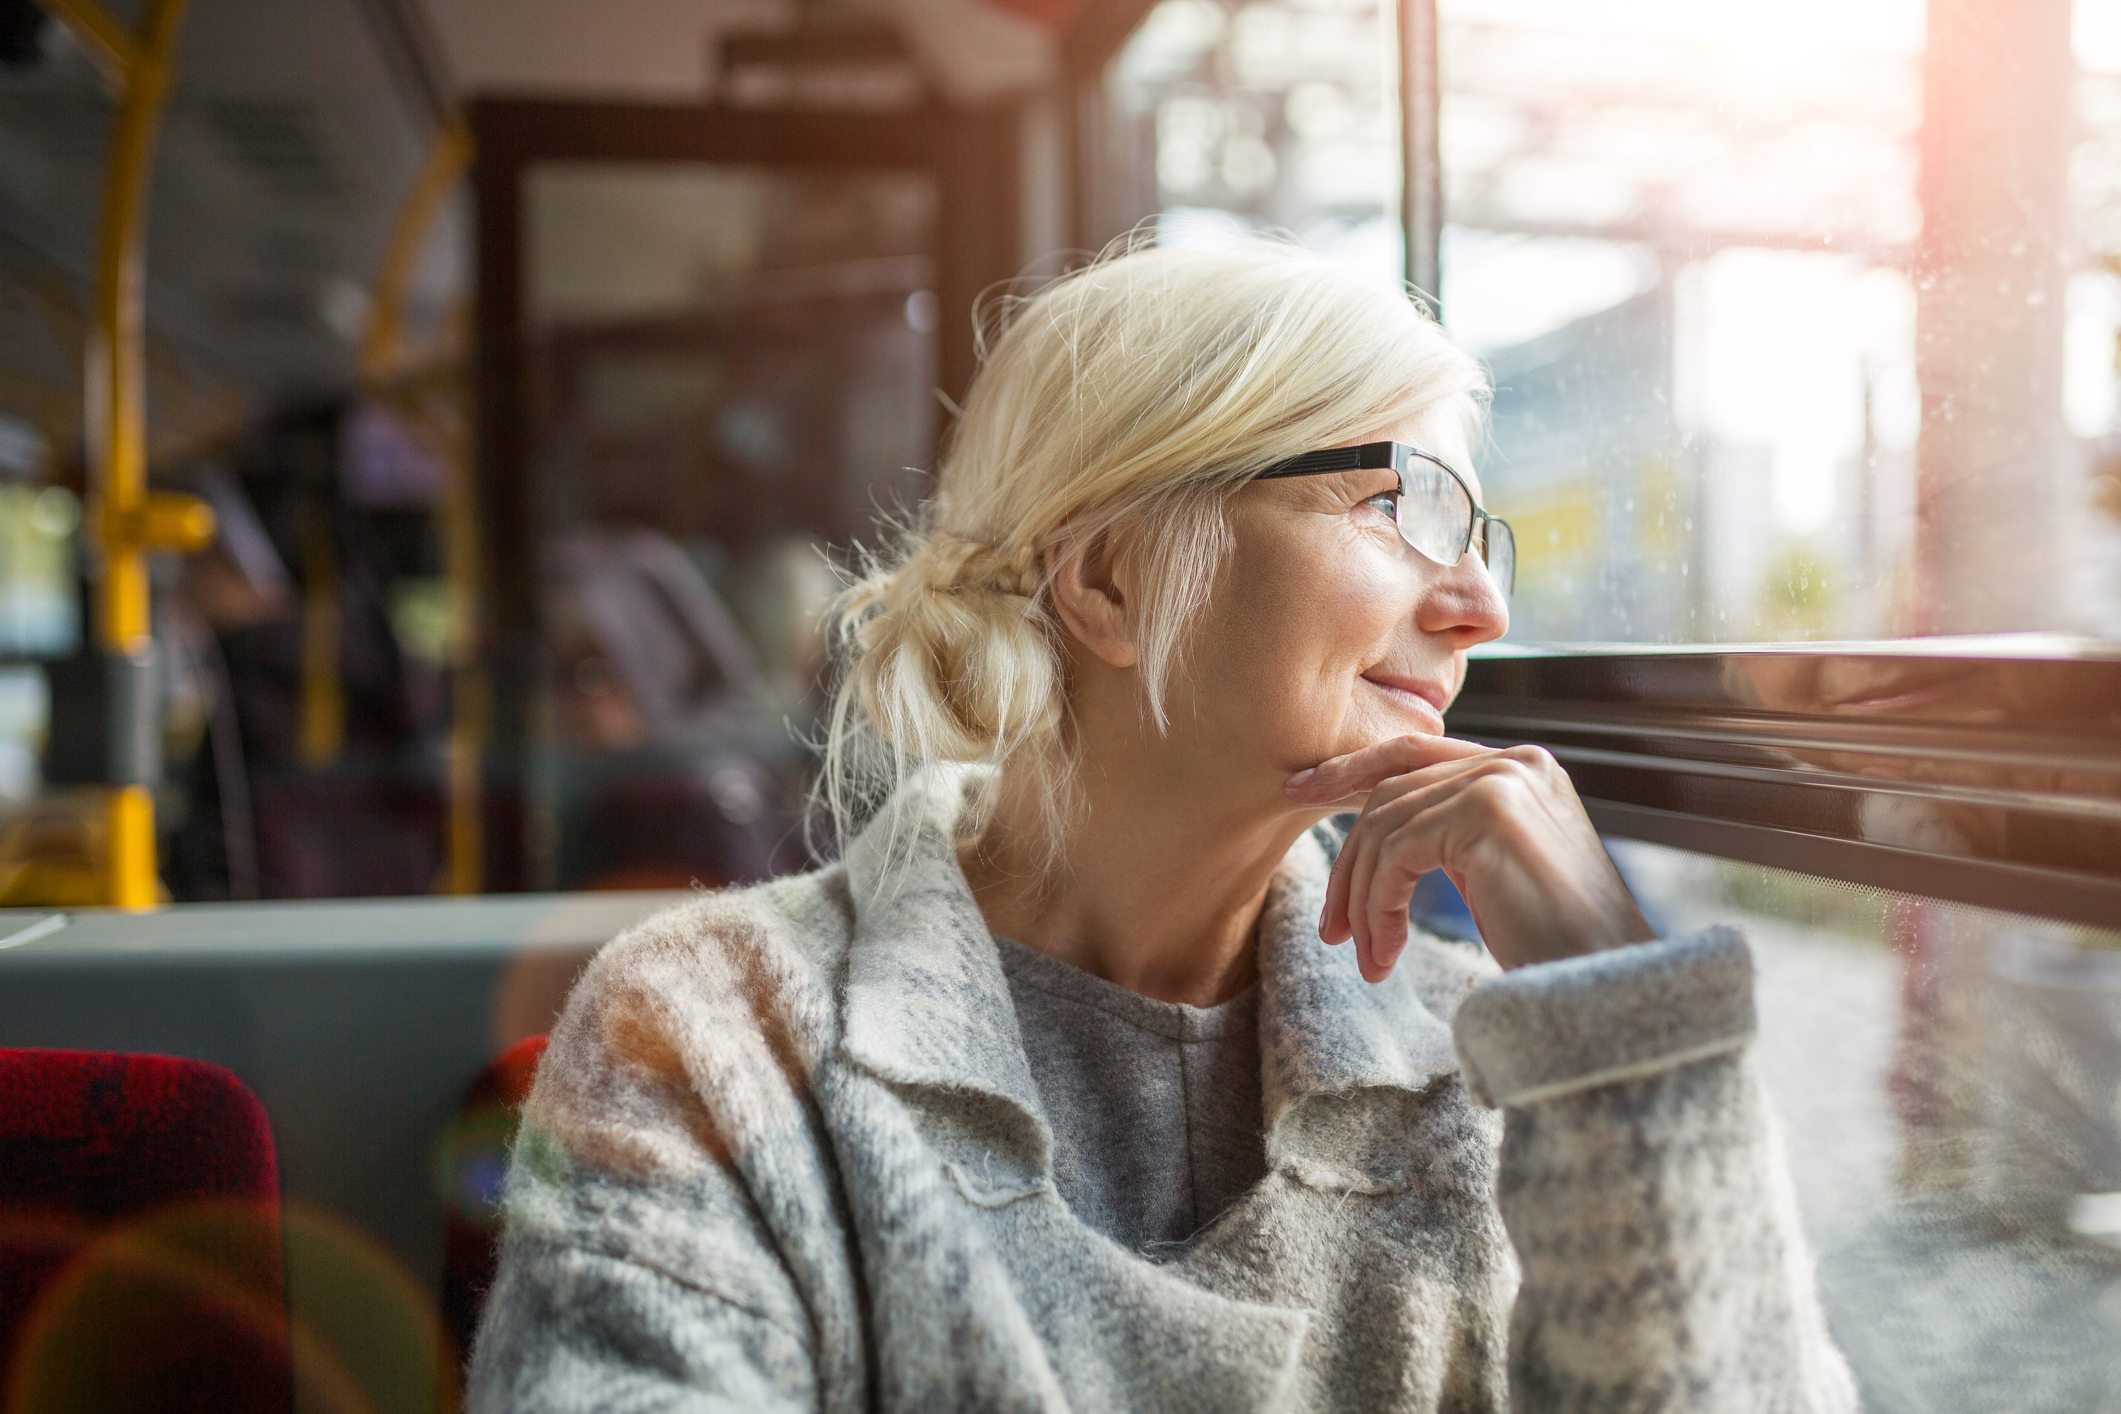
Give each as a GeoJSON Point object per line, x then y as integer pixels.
{"type": "Point", "coordinates": [927, 1005]}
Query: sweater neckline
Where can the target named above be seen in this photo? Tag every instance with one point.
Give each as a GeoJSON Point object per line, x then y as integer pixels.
{"type": "Point", "coordinates": [1026, 966]}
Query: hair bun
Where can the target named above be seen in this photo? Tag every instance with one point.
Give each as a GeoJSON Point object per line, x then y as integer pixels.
{"type": "Point", "coordinates": [951, 655]}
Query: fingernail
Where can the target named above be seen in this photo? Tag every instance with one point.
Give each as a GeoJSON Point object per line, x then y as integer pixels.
{"type": "Point", "coordinates": [1296, 781]}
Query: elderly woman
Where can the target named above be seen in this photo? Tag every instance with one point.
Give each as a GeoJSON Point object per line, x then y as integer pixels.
{"type": "Point", "coordinates": [1100, 1073]}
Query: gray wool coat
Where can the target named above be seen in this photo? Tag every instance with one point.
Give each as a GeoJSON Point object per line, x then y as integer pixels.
{"type": "Point", "coordinates": [785, 1153]}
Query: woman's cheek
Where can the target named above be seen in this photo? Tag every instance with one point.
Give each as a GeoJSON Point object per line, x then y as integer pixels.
{"type": "Point", "coordinates": [1369, 611]}
{"type": "Point", "coordinates": [1305, 644]}
{"type": "Point", "coordinates": [1297, 707]}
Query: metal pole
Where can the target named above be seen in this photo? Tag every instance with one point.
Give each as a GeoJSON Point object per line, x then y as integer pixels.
{"type": "Point", "coordinates": [1420, 156]}
{"type": "Point", "coordinates": [128, 521]}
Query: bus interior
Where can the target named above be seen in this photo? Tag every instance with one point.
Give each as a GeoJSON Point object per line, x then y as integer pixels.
{"type": "Point", "coordinates": [431, 430]}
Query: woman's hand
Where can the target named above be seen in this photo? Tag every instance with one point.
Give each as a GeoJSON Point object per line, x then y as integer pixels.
{"type": "Point", "coordinates": [1506, 826]}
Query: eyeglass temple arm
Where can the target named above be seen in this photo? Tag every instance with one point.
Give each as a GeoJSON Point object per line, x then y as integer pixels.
{"type": "Point", "coordinates": [1368, 456]}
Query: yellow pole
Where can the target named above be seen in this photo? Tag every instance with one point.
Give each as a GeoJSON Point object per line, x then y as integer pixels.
{"type": "Point", "coordinates": [445, 166]}
{"type": "Point", "coordinates": [380, 358]}
{"type": "Point", "coordinates": [467, 680]}
{"type": "Point", "coordinates": [128, 520]}
{"type": "Point", "coordinates": [323, 694]}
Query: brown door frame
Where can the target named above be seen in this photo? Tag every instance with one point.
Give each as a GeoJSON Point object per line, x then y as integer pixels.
{"type": "Point", "coordinates": [1099, 28]}
{"type": "Point", "coordinates": [974, 155]}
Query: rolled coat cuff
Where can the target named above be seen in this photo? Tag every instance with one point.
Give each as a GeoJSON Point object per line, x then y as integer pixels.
{"type": "Point", "coordinates": [1555, 1028]}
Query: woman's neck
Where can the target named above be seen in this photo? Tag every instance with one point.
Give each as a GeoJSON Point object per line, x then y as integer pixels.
{"type": "Point", "coordinates": [1153, 889]}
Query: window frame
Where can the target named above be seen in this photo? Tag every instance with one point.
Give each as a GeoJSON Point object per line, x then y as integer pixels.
{"type": "Point", "coordinates": [2011, 798]}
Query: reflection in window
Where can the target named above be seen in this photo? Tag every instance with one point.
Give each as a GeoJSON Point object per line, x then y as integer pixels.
{"type": "Point", "coordinates": [1949, 1082]}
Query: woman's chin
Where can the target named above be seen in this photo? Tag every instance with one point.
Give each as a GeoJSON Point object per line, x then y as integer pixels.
{"type": "Point", "coordinates": [1378, 727]}
{"type": "Point", "coordinates": [1364, 726]}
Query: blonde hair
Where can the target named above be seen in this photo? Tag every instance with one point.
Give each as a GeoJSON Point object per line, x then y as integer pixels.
{"type": "Point", "coordinates": [1129, 400]}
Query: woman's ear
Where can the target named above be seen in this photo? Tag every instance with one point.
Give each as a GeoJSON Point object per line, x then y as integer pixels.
{"type": "Point", "coordinates": [1085, 580]}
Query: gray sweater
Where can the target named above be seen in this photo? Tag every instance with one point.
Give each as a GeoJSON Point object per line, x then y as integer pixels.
{"type": "Point", "coordinates": [785, 1153]}
{"type": "Point", "coordinates": [1154, 1106]}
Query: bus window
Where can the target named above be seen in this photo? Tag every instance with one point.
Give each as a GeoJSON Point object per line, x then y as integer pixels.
{"type": "Point", "coordinates": [1775, 358]}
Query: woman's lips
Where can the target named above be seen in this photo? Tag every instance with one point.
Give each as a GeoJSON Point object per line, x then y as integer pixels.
{"type": "Point", "coordinates": [1425, 699]}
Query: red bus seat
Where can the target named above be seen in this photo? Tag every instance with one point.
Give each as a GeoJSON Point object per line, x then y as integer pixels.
{"type": "Point", "coordinates": [140, 1254]}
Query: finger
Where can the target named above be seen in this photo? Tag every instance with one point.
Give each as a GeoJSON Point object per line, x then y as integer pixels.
{"type": "Point", "coordinates": [1404, 858]}
{"type": "Point", "coordinates": [1345, 917]}
{"type": "Point", "coordinates": [1399, 842]}
{"type": "Point", "coordinates": [1398, 790]}
{"type": "Point", "coordinates": [1399, 800]}
{"type": "Point", "coordinates": [1359, 772]}
{"type": "Point", "coordinates": [1409, 846]}
{"type": "Point", "coordinates": [1362, 864]}
{"type": "Point", "coordinates": [1333, 920]}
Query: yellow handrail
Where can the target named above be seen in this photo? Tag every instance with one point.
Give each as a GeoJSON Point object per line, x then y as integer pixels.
{"type": "Point", "coordinates": [128, 520]}
{"type": "Point", "coordinates": [444, 168]}
{"type": "Point", "coordinates": [381, 356]}
{"type": "Point", "coordinates": [323, 733]}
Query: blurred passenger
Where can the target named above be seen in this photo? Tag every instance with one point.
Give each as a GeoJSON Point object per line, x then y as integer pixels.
{"type": "Point", "coordinates": [302, 546]}
{"type": "Point", "coordinates": [781, 594]}
{"type": "Point", "coordinates": [1056, 1092]}
{"type": "Point", "coordinates": [673, 768]}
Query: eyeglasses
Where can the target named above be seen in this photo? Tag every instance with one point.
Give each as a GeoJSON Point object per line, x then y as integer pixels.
{"type": "Point", "coordinates": [1434, 510]}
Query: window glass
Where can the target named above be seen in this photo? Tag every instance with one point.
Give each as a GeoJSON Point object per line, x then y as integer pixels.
{"type": "Point", "coordinates": [1758, 377]}
{"type": "Point", "coordinates": [1802, 317]}
{"type": "Point", "coordinates": [40, 609]}
{"type": "Point", "coordinates": [1949, 1085]}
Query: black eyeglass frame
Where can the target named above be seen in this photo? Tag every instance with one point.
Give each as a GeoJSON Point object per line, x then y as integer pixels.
{"type": "Point", "coordinates": [1378, 456]}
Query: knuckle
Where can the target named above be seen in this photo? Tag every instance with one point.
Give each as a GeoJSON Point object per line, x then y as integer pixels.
{"type": "Point", "coordinates": [1537, 757]}
{"type": "Point", "coordinates": [1495, 790]}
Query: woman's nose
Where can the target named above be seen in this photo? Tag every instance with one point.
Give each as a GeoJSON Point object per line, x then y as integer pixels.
{"type": "Point", "coordinates": [1464, 604]}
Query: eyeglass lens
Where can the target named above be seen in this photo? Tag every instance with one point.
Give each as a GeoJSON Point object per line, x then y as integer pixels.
{"type": "Point", "coordinates": [1436, 517]}
{"type": "Point", "coordinates": [1500, 551]}
{"type": "Point", "coordinates": [1435, 513]}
